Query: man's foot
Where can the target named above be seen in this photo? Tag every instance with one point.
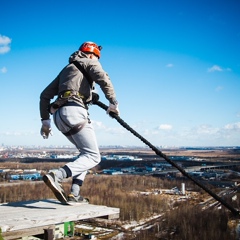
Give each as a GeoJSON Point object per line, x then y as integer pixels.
{"type": "Point", "coordinates": [54, 183]}
{"type": "Point", "coordinates": [78, 199]}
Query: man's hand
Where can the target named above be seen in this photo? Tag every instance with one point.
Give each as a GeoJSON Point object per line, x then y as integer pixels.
{"type": "Point", "coordinates": [113, 108]}
{"type": "Point", "coordinates": [46, 128]}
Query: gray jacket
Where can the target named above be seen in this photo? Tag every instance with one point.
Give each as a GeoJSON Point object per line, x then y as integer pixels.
{"type": "Point", "coordinates": [71, 78]}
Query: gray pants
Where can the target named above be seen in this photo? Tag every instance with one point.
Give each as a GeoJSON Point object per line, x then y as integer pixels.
{"type": "Point", "coordinates": [85, 140]}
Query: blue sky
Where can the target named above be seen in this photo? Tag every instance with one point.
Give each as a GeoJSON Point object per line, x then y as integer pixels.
{"type": "Point", "coordinates": [175, 66]}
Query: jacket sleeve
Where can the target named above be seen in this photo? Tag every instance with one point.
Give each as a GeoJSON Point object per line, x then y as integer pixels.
{"type": "Point", "coordinates": [45, 97]}
{"type": "Point", "coordinates": [102, 79]}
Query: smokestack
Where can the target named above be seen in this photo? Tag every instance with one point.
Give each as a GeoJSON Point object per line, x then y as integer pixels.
{"type": "Point", "coordinates": [183, 189]}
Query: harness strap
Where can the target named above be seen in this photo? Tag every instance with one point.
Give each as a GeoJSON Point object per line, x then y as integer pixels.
{"type": "Point", "coordinates": [75, 129]}
{"type": "Point", "coordinates": [84, 72]}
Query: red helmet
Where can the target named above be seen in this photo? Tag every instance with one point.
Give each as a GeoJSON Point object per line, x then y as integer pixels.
{"type": "Point", "coordinates": [91, 47]}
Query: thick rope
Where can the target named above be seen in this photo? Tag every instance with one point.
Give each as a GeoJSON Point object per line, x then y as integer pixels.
{"type": "Point", "coordinates": [159, 153]}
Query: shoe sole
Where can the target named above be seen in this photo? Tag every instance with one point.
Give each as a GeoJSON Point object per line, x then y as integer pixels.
{"type": "Point", "coordinates": [58, 194]}
{"type": "Point", "coordinates": [74, 202]}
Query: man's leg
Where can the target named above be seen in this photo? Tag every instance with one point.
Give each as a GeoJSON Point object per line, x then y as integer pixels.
{"type": "Point", "coordinates": [84, 140]}
{"type": "Point", "coordinates": [89, 157]}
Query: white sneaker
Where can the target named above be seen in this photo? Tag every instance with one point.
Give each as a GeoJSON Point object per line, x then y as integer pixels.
{"type": "Point", "coordinates": [54, 183]}
{"type": "Point", "coordinates": [78, 199]}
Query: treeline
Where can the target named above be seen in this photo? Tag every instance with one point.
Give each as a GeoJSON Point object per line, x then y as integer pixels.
{"type": "Point", "coordinates": [190, 223]}
{"type": "Point", "coordinates": [184, 220]}
{"type": "Point", "coordinates": [181, 220]}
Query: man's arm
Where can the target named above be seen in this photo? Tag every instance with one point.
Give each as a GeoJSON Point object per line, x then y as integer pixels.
{"type": "Point", "coordinates": [102, 79]}
{"type": "Point", "coordinates": [45, 97]}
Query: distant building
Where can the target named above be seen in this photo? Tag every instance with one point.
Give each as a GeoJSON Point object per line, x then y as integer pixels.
{"type": "Point", "coordinates": [33, 176]}
{"type": "Point", "coordinates": [128, 169]}
{"type": "Point", "coordinates": [63, 156]}
{"type": "Point", "coordinates": [150, 169]}
{"type": "Point", "coordinates": [121, 158]}
{"type": "Point", "coordinates": [111, 172]}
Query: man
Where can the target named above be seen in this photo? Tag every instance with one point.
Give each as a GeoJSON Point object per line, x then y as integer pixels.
{"type": "Point", "coordinates": [73, 87]}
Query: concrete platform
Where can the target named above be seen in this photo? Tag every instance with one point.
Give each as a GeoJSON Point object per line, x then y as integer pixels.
{"type": "Point", "coordinates": [16, 219]}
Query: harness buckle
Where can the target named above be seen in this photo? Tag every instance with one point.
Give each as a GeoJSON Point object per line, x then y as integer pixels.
{"type": "Point", "coordinates": [69, 93]}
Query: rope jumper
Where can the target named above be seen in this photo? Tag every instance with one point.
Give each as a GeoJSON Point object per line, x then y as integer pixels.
{"type": "Point", "coordinates": [159, 153]}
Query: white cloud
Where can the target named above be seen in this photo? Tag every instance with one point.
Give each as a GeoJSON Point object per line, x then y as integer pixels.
{"type": "Point", "coordinates": [164, 134]}
{"type": "Point", "coordinates": [201, 135]}
{"type": "Point", "coordinates": [4, 49]}
{"type": "Point", "coordinates": [215, 68]}
{"type": "Point", "coordinates": [169, 65]}
{"type": "Point", "coordinates": [99, 126]}
{"type": "Point", "coordinates": [165, 127]}
{"type": "Point", "coordinates": [4, 40]}
{"type": "Point", "coordinates": [3, 70]}
{"type": "Point", "coordinates": [210, 135]}
{"type": "Point", "coordinates": [205, 129]}
{"type": "Point", "coordinates": [233, 126]}
{"type": "Point", "coordinates": [4, 44]}
{"type": "Point", "coordinates": [16, 133]}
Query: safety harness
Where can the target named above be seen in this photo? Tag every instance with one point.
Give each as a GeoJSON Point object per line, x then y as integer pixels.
{"type": "Point", "coordinates": [63, 98]}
